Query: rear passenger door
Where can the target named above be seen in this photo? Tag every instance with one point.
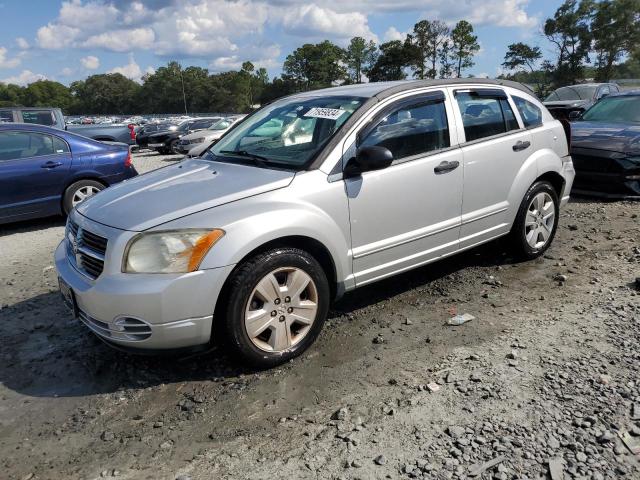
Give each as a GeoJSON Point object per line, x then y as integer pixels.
{"type": "Point", "coordinates": [494, 148]}
{"type": "Point", "coordinates": [33, 170]}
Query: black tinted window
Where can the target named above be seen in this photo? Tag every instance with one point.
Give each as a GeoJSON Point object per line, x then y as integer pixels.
{"type": "Point", "coordinates": [40, 117]}
{"type": "Point", "coordinates": [484, 116]}
{"type": "Point", "coordinates": [16, 145]}
{"type": "Point", "coordinates": [530, 113]}
{"type": "Point", "coordinates": [412, 129]}
{"type": "Point", "coordinates": [6, 116]}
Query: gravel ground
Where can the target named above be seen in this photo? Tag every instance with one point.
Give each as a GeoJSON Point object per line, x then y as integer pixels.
{"type": "Point", "coordinates": [542, 383]}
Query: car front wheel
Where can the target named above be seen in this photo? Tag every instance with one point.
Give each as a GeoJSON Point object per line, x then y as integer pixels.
{"type": "Point", "coordinates": [537, 220]}
{"type": "Point", "coordinates": [276, 306]}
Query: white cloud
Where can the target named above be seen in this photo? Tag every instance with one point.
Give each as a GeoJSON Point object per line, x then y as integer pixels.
{"type": "Point", "coordinates": [91, 15]}
{"type": "Point", "coordinates": [393, 33]}
{"type": "Point", "coordinates": [90, 62]}
{"type": "Point", "coordinates": [67, 72]}
{"type": "Point", "coordinates": [22, 43]}
{"type": "Point", "coordinates": [24, 78]}
{"type": "Point", "coordinates": [122, 40]}
{"type": "Point", "coordinates": [132, 70]}
{"type": "Point", "coordinates": [7, 62]}
{"type": "Point", "coordinates": [55, 36]}
{"type": "Point", "coordinates": [312, 20]}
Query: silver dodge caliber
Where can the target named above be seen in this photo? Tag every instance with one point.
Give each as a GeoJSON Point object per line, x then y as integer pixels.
{"type": "Point", "coordinates": [312, 196]}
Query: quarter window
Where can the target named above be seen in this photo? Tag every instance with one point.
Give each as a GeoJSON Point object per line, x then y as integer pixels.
{"type": "Point", "coordinates": [18, 145]}
{"type": "Point", "coordinates": [485, 115]}
{"type": "Point", "coordinates": [39, 117]}
{"type": "Point", "coordinates": [530, 113]}
{"type": "Point", "coordinates": [412, 129]}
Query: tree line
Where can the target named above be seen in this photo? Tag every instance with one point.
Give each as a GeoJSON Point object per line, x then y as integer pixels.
{"type": "Point", "coordinates": [589, 38]}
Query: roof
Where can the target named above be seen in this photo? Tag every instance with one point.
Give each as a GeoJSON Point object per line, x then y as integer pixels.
{"type": "Point", "coordinates": [384, 89]}
{"type": "Point", "coordinates": [28, 126]}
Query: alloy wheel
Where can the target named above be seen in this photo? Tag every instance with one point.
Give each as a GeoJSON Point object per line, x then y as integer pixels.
{"type": "Point", "coordinates": [540, 220]}
{"type": "Point", "coordinates": [281, 309]}
{"type": "Point", "coordinates": [83, 193]}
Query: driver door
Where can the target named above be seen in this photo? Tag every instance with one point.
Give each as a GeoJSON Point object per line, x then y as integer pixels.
{"type": "Point", "coordinates": [409, 213]}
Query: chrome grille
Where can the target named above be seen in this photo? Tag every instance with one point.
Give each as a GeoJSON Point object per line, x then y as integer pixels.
{"type": "Point", "coordinates": [85, 250]}
{"type": "Point", "coordinates": [128, 329]}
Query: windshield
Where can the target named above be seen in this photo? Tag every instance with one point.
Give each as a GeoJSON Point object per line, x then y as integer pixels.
{"type": "Point", "coordinates": [220, 125]}
{"type": "Point", "coordinates": [575, 92]}
{"type": "Point", "coordinates": [288, 133]}
{"type": "Point", "coordinates": [623, 109]}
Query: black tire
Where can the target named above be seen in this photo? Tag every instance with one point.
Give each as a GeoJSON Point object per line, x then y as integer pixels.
{"type": "Point", "coordinates": [173, 146]}
{"type": "Point", "coordinates": [240, 287]}
{"type": "Point", "coordinates": [69, 193]}
{"type": "Point", "coordinates": [518, 237]}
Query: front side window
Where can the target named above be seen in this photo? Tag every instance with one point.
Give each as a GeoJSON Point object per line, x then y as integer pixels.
{"type": "Point", "coordinates": [6, 116]}
{"type": "Point", "coordinates": [39, 117]}
{"type": "Point", "coordinates": [412, 129]}
{"type": "Point", "coordinates": [17, 145]}
{"type": "Point", "coordinates": [530, 113]}
{"type": "Point", "coordinates": [485, 115]}
{"type": "Point", "coordinates": [288, 133]}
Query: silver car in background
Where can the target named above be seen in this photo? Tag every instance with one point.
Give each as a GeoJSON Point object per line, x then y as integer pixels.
{"type": "Point", "coordinates": [310, 197]}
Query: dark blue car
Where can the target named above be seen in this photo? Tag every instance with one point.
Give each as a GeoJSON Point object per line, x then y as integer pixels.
{"type": "Point", "coordinates": [46, 171]}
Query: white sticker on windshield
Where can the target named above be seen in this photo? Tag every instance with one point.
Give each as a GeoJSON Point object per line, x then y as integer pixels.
{"type": "Point", "coordinates": [328, 113]}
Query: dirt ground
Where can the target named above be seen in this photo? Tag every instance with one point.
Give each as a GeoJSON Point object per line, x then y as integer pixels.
{"type": "Point", "coordinates": [543, 383]}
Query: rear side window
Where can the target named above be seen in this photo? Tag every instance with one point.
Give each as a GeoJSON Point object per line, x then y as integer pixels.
{"type": "Point", "coordinates": [530, 113]}
{"type": "Point", "coordinates": [6, 116]}
{"type": "Point", "coordinates": [40, 117]}
{"type": "Point", "coordinates": [484, 115]}
{"type": "Point", "coordinates": [412, 129]}
{"type": "Point", "coordinates": [18, 145]}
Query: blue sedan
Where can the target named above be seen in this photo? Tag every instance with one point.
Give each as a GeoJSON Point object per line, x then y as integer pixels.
{"type": "Point", "coordinates": [46, 171]}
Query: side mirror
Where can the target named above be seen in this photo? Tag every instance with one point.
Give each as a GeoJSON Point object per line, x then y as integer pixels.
{"type": "Point", "coordinates": [368, 159]}
{"type": "Point", "coordinates": [575, 115]}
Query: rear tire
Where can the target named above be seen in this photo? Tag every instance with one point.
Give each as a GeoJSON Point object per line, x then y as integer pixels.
{"type": "Point", "coordinates": [275, 306]}
{"type": "Point", "coordinates": [78, 192]}
{"type": "Point", "coordinates": [536, 221]}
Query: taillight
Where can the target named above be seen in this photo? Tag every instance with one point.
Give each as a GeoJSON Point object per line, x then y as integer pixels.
{"type": "Point", "coordinates": [132, 131]}
{"type": "Point", "coordinates": [128, 161]}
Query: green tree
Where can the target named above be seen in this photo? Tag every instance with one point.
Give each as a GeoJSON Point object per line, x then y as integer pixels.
{"type": "Point", "coordinates": [521, 56]}
{"type": "Point", "coordinates": [360, 55]}
{"type": "Point", "coordinates": [11, 95]}
{"type": "Point", "coordinates": [391, 62]}
{"type": "Point", "coordinates": [46, 93]}
{"type": "Point", "coordinates": [616, 31]}
{"type": "Point", "coordinates": [107, 93]}
{"type": "Point", "coordinates": [464, 45]}
{"type": "Point", "coordinates": [569, 32]}
{"type": "Point", "coordinates": [316, 66]}
{"type": "Point", "coordinates": [424, 46]}
{"type": "Point", "coordinates": [446, 62]}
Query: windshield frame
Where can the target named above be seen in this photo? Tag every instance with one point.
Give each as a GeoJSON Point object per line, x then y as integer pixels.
{"type": "Point", "coordinates": [311, 162]}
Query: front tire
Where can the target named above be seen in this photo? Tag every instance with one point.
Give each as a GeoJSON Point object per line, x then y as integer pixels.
{"type": "Point", "coordinates": [536, 221]}
{"type": "Point", "coordinates": [78, 192]}
{"type": "Point", "coordinates": [276, 306]}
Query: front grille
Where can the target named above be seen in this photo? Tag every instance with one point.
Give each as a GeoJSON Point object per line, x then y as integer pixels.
{"type": "Point", "coordinates": [85, 250]}
{"type": "Point", "coordinates": [127, 329]}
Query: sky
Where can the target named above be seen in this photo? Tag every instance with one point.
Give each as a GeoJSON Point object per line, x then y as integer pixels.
{"type": "Point", "coordinates": [70, 40]}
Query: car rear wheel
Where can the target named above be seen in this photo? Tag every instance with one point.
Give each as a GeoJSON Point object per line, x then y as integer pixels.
{"type": "Point", "coordinates": [537, 221]}
{"type": "Point", "coordinates": [79, 191]}
{"type": "Point", "coordinates": [276, 306]}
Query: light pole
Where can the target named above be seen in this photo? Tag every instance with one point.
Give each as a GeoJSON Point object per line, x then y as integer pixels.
{"type": "Point", "coordinates": [184, 96]}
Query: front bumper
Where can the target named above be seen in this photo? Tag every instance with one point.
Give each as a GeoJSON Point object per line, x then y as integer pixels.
{"type": "Point", "coordinates": [606, 174]}
{"type": "Point", "coordinates": [170, 311]}
{"type": "Point", "coordinates": [156, 145]}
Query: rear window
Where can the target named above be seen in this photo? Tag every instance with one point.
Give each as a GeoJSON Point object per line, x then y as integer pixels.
{"type": "Point", "coordinates": [39, 117]}
{"type": "Point", "coordinates": [485, 116]}
{"type": "Point", "coordinates": [530, 113]}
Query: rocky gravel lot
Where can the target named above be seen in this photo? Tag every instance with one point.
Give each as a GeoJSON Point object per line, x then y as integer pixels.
{"type": "Point", "coordinates": [543, 383]}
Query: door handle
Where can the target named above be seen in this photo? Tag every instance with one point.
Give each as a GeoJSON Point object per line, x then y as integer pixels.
{"type": "Point", "coordinates": [445, 167]}
{"type": "Point", "coordinates": [518, 147]}
{"type": "Point", "coordinates": [51, 164]}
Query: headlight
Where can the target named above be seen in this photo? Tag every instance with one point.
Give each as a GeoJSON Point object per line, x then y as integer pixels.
{"type": "Point", "coordinates": [198, 140]}
{"type": "Point", "coordinates": [177, 251]}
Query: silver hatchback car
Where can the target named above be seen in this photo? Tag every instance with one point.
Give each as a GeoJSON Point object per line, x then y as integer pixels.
{"type": "Point", "coordinates": [312, 196]}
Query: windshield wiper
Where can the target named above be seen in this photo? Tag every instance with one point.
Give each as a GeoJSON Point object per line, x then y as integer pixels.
{"type": "Point", "coordinates": [257, 159]}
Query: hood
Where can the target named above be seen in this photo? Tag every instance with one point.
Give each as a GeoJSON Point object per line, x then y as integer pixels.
{"type": "Point", "coordinates": [568, 104]}
{"type": "Point", "coordinates": [614, 137]}
{"type": "Point", "coordinates": [182, 189]}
